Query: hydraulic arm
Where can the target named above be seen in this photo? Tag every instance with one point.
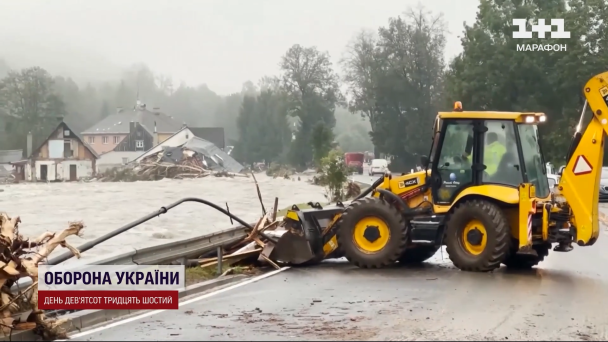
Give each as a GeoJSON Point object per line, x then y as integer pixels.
{"type": "Point", "coordinates": [580, 180]}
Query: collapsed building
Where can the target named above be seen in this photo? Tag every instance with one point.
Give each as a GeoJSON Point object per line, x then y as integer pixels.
{"type": "Point", "coordinates": [185, 147]}
{"type": "Point", "coordinates": [199, 152]}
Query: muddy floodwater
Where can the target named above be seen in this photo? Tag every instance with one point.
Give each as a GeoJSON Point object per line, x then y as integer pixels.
{"type": "Point", "coordinates": [106, 206]}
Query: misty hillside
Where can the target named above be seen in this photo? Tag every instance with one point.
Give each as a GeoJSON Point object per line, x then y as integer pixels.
{"type": "Point", "coordinates": [80, 65]}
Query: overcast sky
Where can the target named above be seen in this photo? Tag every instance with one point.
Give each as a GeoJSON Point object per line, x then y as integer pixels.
{"type": "Point", "coordinates": [221, 43]}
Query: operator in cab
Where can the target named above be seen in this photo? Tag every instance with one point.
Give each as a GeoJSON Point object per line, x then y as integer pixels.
{"type": "Point", "coordinates": [493, 153]}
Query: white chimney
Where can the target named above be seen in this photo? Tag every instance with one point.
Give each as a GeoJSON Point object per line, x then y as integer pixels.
{"type": "Point", "coordinates": [155, 141]}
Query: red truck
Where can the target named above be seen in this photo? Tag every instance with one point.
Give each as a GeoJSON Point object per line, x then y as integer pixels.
{"type": "Point", "coordinates": [355, 160]}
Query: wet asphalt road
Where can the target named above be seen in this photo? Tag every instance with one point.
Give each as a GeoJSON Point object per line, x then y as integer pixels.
{"type": "Point", "coordinates": [566, 298]}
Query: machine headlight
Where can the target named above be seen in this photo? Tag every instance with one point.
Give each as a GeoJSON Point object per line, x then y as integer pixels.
{"type": "Point", "coordinates": [529, 119]}
{"type": "Point", "coordinates": [542, 119]}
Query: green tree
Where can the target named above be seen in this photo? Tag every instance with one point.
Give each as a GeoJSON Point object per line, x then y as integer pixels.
{"type": "Point", "coordinates": [334, 175]}
{"type": "Point", "coordinates": [29, 103]}
{"type": "Point", "coordinates": [395, 79]}
{"type": "Point", "coordinates": [263, 131]}
{"type": "Point", "coordinates": [246, 148]}
{"type": "Point", "coordinates": [312, 88]}
{"type": "Point", "coordinates": [321, 138]}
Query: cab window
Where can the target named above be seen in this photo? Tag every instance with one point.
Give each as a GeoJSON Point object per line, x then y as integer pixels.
{"type": "Point", "coordinates": [533, 159]}
{"type": "Point", "coordinates": [455, 159]}
{"type": "Point", "coordinates": [500, 155]}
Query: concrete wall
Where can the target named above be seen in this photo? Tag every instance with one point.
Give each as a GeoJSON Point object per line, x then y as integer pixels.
{"type": "Point", "coordinates": [98, 144]}
{"type": "Point", "coordinates": [59, 170]}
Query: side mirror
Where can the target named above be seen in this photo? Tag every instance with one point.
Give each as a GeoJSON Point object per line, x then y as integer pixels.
{"type": "Point", "coordinates": [424, 161]}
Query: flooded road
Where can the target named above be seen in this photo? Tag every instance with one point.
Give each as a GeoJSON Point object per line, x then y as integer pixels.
{"type": "Point", "coordinates": [106, 206]}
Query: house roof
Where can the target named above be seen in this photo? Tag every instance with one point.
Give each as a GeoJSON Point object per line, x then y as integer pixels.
{"type": "Point", "coordinates": [118, 123]}
{"type": "Point", "coordinates": [168, 142]}
{"type": "Point", "coordinates": [9, 156]}
{"type": "Point", "coordinates": [212, 134]}
{"type": "Point", "coordinates": [78, 136]}
{"type": "Point", "coordinates": [209, 149]}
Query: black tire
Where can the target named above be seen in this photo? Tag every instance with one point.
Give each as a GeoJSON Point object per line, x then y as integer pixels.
{"type": "Point", "coordinates": [372, 207]}
{"type": "Point", "coordinates": [498, 243]}
{"type": "Point", "coordinates": [417, 254]}
{"type": "Point", "coordinates": [526, 261]}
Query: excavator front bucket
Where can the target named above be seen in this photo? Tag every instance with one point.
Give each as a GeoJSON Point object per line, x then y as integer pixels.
{"type": "Point", "coordinates": [303, 241]}
{"type": "Point", "coordinates": [292, 248]}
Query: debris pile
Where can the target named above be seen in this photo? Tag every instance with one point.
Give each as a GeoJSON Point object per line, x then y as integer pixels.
{"type": "Point", "coordinates": [257, 246]}
{"type": "Point", "coordinates": [19, 258]}
{"type": "Point", "coordinates": [174, 163]}
{"type": "Point", "coordinates": [266, 234]}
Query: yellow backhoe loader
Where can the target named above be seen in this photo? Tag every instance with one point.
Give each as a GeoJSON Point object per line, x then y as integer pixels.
{"type": "Point", "coordinates": [484, 194]}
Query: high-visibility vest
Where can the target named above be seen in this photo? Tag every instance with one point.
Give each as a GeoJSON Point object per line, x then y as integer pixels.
{"type": "Point", "coordinates": [492, 156]}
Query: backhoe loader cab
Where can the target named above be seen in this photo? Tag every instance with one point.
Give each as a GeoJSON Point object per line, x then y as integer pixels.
{"type": "Point", "coordinates": [498, 150]}
{"type": "Point", "coordinates": [484, 195]}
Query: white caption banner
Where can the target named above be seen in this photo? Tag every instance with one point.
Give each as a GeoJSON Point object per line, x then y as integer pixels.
{"type": "Point", "coordinates": [111, 277]}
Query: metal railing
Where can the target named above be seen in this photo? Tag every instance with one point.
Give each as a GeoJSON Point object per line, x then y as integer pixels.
{"type": "Point", "coordinates": [155, 255]}
{"type": "Point", "coordinates": [166, 253]}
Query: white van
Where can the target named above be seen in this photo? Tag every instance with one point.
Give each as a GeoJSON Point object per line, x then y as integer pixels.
{"type": "Point", "coordinates": [378, 166]}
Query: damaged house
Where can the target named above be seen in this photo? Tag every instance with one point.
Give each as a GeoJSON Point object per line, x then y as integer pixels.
{"type": "Point", "coordinates": [7, 157]}
{"type": "Point", "coordinates": [188, 149]}
{"type": "Point", "coordinates": [63, 156]}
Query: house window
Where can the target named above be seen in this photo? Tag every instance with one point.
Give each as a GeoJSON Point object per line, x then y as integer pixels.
{"type": "Point", "coordinates": [104, 139]}
{"type": "Point", "coordinates": [67, 149]}
{"type": "Point", "coordinates": [91, 140]}
{"type": "Point", "coordinates": [116, 139]}
{"type": "Point", "coordinates": [139, 143]}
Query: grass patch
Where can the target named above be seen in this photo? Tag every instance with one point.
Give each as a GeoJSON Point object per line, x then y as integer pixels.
{"type": "Point", "coordinates": [198, 274]}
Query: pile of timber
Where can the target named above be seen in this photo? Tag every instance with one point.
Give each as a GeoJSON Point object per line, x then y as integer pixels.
{"type": "Point", "coordinates": [256, 247]}
{"type": "Point", "coordinates": [152, 168]}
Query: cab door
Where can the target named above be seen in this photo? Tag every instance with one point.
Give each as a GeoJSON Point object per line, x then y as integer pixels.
{"type": "Point", "coordinates": [453, 167]}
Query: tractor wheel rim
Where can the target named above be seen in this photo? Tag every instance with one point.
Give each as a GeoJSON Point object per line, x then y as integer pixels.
{"type": "Point", "coordinates": [371, 234]}
{"type": "Point", "coordinates": [473, 228]}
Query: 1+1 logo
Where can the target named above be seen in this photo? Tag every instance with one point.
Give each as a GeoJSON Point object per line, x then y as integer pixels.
{"type": "Point", "coordinates": [541, 28]}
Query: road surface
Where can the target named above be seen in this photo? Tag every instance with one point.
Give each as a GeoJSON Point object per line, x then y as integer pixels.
{"type": "Point", "coordinates": [565, 299]}
{"type": "Point", "coordinates": [365, 178]}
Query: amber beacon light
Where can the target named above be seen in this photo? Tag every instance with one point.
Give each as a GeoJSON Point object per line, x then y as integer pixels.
{"type": "Point", "coordinates": [458, 106]}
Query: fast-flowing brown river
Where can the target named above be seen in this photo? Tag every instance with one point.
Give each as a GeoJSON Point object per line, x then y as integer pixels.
{"type": "Point", "coordinates": [106, 206]}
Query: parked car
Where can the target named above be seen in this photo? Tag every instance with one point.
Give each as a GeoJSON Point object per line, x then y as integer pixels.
{"type": "Point", "coordinates": [378, 166]}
